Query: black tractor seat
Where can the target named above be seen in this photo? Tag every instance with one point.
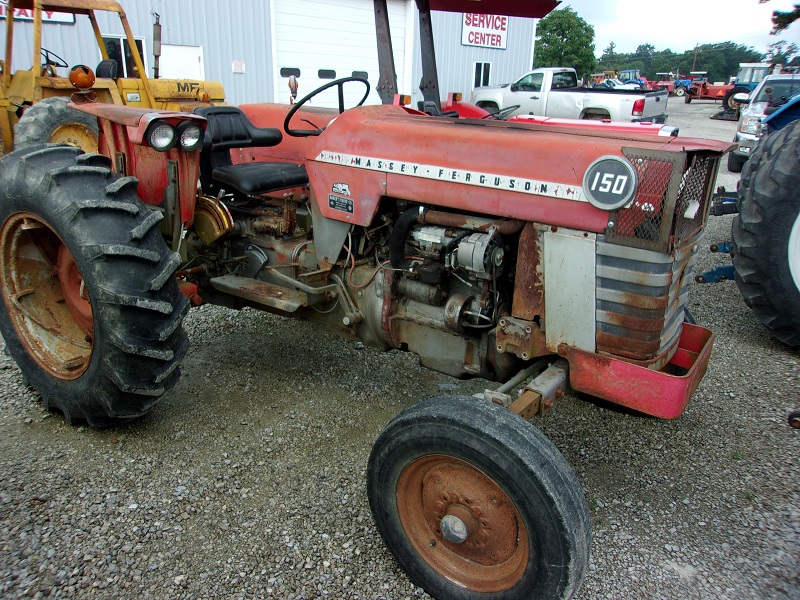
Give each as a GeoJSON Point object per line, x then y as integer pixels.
{"type": "Point", "coordinates": [228, 128]}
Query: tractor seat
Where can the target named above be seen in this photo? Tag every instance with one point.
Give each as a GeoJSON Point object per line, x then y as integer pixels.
{"type": "Point", "coordinates": [228, 128]}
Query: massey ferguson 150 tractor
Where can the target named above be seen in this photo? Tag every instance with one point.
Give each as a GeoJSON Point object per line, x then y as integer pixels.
{"type": "Point", "coordinates": [544, 255]}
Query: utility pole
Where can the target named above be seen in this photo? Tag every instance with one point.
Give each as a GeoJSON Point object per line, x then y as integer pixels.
{"type": "Point", "coordinates": [694, 62]}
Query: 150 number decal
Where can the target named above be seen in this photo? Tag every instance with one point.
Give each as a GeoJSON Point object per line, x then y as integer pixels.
{"type": "Point", "coordinates": [610, 182]}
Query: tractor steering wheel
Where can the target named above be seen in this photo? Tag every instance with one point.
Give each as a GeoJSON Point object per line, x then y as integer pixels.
{"type": "Point", "coordinates": [339, 84]}
{"type": "Point", "coordinates": [502, 114]}
{"type": "Point", "coordinates": [51, 58]}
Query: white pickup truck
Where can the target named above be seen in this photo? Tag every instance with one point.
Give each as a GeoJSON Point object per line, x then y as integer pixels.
{"type": "Point", "coordinates": [554, 92]}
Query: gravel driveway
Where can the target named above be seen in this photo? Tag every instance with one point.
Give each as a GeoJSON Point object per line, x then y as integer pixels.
{"type": "Point", "coordinates": [248, 479]}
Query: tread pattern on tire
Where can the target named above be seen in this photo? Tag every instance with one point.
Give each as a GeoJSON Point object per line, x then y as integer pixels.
{"type": "Point", "coordinates": [767, 190]}
{"type": "Point", "coordinates": [39, 121]}
{"type": "Point", "coordinates": [116, 242]}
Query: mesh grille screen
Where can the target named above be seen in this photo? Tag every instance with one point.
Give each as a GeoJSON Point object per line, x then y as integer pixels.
{"type": "Point", "coordinates": [692, 206]}
{"type": "Point", "coordinates": [644, 217]}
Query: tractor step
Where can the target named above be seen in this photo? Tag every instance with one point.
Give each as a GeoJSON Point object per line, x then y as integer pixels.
{"type": "Point", "coordinates": [261, 292]}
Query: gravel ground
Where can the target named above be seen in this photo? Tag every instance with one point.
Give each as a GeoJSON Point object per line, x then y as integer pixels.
{"type": "Point", "coordinates": [248, 479]}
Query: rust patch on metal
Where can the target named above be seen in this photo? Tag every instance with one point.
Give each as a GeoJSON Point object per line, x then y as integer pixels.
{"type": "Point", "coordinates": [525, 339]}
{"type": "Point", "coordinates": [528, 302]}
{"type": "Point", "coordinates": [495, 553]}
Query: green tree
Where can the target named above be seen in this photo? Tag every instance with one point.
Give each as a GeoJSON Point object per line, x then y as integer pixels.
{"type": "Point", "coordinates": [782, 19]}
{"type": "Point", "coordinates": [781, 52]}
{"type": "Point", "coordinates": [563, 39]}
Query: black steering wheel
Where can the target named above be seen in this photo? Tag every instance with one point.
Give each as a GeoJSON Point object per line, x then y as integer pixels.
{"type": "Point", "coordinates": [502, 114]}
{"type": "Point", "coordinates": [339, 84]}
{"type": "Point", "coordinates": [51, 58]}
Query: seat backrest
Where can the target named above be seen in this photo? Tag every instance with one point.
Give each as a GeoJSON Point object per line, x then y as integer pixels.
{"type": "Point", "coordinates": [107, 68]}
{"type": "Point", "coordinates": [228, 127]}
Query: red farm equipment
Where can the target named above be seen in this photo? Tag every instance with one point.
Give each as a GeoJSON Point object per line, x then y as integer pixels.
{"type": "Point", "coordinates": [540, 255]}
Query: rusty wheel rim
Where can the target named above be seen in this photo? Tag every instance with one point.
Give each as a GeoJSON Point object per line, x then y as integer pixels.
{"type": "Point", "coordinates": [495, 553]}
{"type": "Point", "coordinates": [75, 134]}
{"type": "Point", "coordinates": [45, 296]}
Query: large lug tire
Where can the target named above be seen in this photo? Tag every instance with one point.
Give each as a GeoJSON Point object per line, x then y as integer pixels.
{"type": "Point", "coordinates": [51, 120]}
{"type": "Point", "coordinates": [728, 103]}
{"type": "Point", "coordinates": [90, 309]}
{"type": "Point", "coordinates": [680, 91]}
{"type": "Point", "coordinates": [476, 503]}
{"type": "Point", "coordinates": [766, 234]}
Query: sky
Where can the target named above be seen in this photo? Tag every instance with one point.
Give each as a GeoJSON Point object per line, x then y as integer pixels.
{"type": "Point", "coordinates": [681, 24]}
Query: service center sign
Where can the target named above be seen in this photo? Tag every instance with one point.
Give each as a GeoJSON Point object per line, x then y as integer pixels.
{"type": "Point", "coordinates": [488, 31]}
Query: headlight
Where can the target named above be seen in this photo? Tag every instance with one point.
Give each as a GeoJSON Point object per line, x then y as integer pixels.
{"type": "Point", "coordinates": [161, 136]}
{"type": "Point", "coordinates": [190, 136]}
{"type": "Point", "coordinates": [750, 125]}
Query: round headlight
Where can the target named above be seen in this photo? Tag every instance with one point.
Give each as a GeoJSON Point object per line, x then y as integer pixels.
{"type": "Point", "coordinates": [609, 183]}
{"type": "Point", "coordinates": [190, 136]}
{"type": "Point", "coordinates": [161, 136]}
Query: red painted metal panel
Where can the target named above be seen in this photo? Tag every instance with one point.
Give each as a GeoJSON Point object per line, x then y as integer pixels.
{"type": "Point", "coordinates": [656, 393]}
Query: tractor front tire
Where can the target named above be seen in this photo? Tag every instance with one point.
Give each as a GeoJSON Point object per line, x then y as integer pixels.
{"type": "Point", "coordinates": [51, 120]}
{"type": "Point", "coordinates": [475, 503]}
{"type": "Point", "coordinates": [766, 234]}
{"type": "Point", "coordinates": [90, 309]}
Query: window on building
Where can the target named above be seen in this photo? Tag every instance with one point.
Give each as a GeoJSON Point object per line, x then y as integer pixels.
{"type": "Point", "coordinates": [482, 73]}
{"type": "Point", "coordinates": [326, 74]}
{"type": "Point", "coordinates": [119, 50]}
{"type": "Point", "coordinates": [289, 71]}
{"type": "Point", "coordinates": [361, 74]}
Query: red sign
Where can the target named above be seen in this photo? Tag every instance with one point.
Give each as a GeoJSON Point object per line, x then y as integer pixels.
{"type": "Point", "coordinates": [488, 31]}
{"type": "Point", "coordinates": [48, 16]}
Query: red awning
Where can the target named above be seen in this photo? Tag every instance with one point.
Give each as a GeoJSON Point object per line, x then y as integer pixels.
{"type": "Point", "coordinates": [535, 9]}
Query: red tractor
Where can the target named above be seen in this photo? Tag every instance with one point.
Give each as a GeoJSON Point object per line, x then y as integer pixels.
{"type": "Point", "coordinates": [537, 255]}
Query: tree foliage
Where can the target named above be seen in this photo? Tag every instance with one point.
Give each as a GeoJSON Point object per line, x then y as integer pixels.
{"type": "Point", "coordinates": [782, 19]}
{"type": "Point", "coordinates": [721, 60]}
{"type": "Point", "coordinates": [563, 39]}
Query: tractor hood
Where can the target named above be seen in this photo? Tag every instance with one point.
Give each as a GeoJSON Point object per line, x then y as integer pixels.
{"type": "Point", "coordinates": [467, 165]}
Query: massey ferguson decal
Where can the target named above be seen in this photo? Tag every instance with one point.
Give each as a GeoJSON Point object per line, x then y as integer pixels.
{"type": "Point", "coordinates": [341, 188]}
{"type": "Point", "coordinates": [474, 178]}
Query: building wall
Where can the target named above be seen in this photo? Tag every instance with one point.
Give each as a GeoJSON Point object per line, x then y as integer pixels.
{"type": "Point", "coordinates": [456, 63]}
{"type": "Point", "coordinates": [240, 30]}
{"type": "Point", "coordinates": [233, 30]}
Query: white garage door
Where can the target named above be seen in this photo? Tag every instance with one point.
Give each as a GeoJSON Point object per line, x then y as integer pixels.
{"type": "Point", "coordinates": [330, 39]}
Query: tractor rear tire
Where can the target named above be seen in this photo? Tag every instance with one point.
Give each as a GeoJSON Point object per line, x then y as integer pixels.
{"type": "Point", "coordinates": [90, 309]}
{"type": "Point", "coordinates": [51, 120]}
{"type": "Point", "coordinates": [679, 91]}
{"type": "Point", "coordinates": [766, 234]}
{"type": "Point", "coordinates": [521, 512]}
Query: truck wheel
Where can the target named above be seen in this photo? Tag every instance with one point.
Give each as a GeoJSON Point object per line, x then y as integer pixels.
{"type": "Point", "coordinates": [735, 163]}
{"type": "Point", "coordinates": [90, 310]}
{"type": "Point", "coordinates": [728, 103]}
{"type": "Point", "coordinates": [474, 502]}
{"type": "Point", "coordinates": [766, 234]}
{"type": "Point", "coordinates": [51, 120]}
{"type": "Point", "coordinates": [680, 91]}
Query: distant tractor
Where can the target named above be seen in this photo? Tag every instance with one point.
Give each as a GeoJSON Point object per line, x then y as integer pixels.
{"type": "Point", "coordinates": [33, 102]}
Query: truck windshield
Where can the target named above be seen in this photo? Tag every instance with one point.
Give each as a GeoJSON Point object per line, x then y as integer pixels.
{"type": "Point", "coordinates": [778, 89]}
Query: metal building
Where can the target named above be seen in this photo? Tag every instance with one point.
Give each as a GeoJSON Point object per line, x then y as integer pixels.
{"type": "Point", "coordinates": [253, 46]}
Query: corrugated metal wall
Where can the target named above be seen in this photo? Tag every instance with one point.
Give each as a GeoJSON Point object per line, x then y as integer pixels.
{"type": "Point", "coordinates": [456, 63]}
{"type": "Point", "coordinates": [239, 30]}
{"type": "Point", "coordinates": [233, 30]}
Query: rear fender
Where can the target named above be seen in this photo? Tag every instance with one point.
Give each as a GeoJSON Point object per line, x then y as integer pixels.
{"type": "Point", "coordinates": [122, 139]}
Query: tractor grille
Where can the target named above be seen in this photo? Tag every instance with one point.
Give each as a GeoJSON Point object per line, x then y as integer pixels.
{"type": "Point", "coordinates": [671, 201]}
{"type": "Point", "coordinates": [640, 296]}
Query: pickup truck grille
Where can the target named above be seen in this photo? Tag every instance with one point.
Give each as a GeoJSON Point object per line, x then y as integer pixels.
{"type": "Point", "coordinates": [640, 297]}
{"type": "Point", "coordinates": [671, 201]}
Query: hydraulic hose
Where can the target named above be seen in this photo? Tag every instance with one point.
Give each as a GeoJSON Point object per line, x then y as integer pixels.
{"type": "Point", "coordinates": [397, 241]}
